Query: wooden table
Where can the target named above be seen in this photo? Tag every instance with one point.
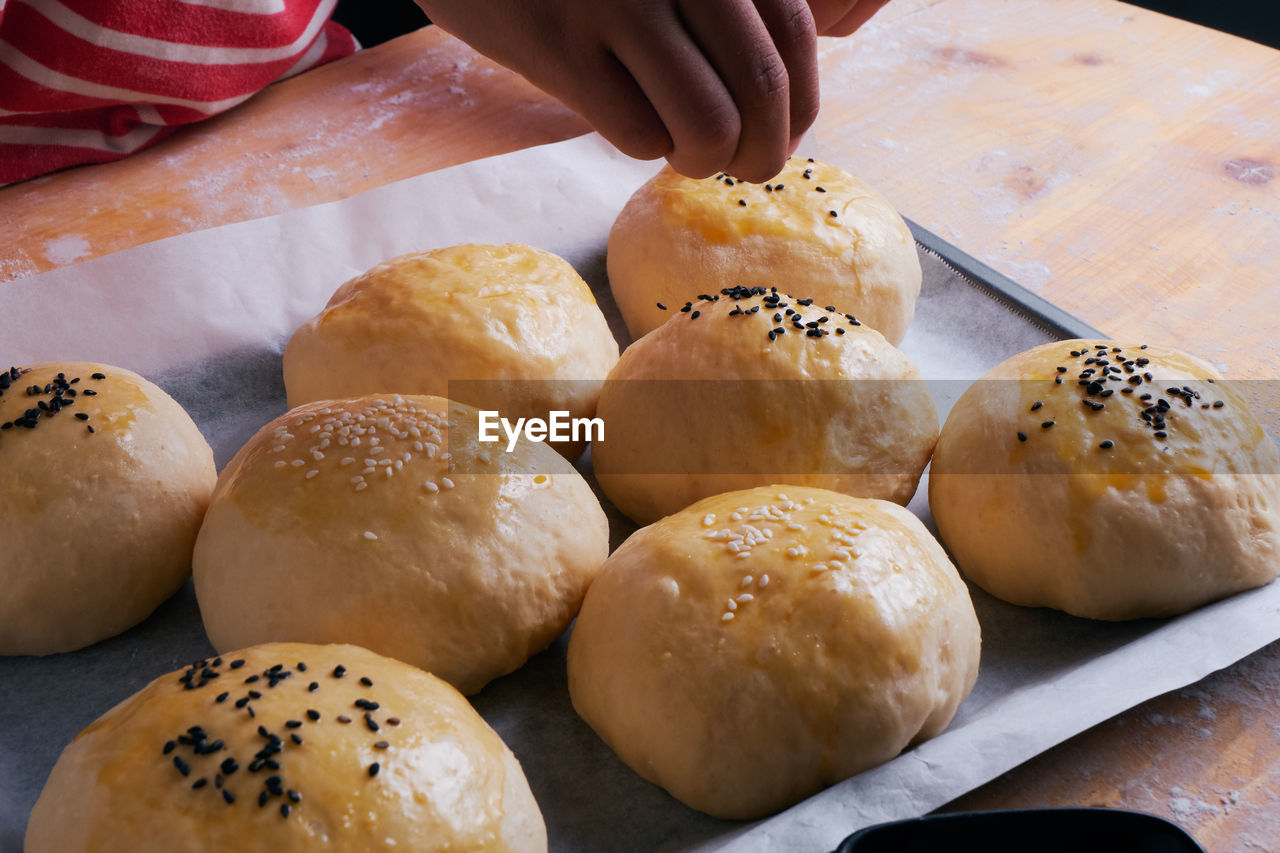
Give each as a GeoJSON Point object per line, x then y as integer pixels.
{"type": "Point", "coordinates": [1122, 164]}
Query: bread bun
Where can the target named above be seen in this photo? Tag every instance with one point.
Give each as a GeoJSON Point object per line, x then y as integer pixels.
{"type": "Point", "coordinates": [508, 328]}
{"type": "Point", "coordinates": [752, 387]}
{"type": "Point", "coordinates": [1108, 480]}
{"type": "Point", "coordinates": [761, 645]}
{"type": "Point", "coordinates": [816, 230]}
{"type": "Point", "coordinates": [288, 747]}
{"type": "Point", "coordinates": [383, 522]}
{"type": "Point", "coordinates": [103, 482]}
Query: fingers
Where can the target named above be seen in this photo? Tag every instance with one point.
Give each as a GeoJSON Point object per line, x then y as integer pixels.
{"type": "Point", "coordinates": [795, 37]}
{"type": "Point", "coordinates": [696, 108]}
{"type": "Point", "coordinates": [734, 81]}
{"type": "Point", "coordinates": [764, 54]}
{"type": "Point", "coordinates": [857, 16]}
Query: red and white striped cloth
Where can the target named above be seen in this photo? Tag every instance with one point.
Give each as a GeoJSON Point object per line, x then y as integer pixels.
{"type": "Point", "coordinates": [86, 81]}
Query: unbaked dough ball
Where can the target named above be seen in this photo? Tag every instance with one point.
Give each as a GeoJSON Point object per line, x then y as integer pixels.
{"type": "Point", "coordinates": [103, 482]}
{"type": "Point", "coordinates": [1111, 481]}
{"type": "Point", "coordinates": [384, 522]}
{"type": "Point", "coordinates": [815, 230]}
{"type": "Point", "coordinates": [750, 387]}
{"type": "Point", "coordinates": [508, 328]}
{"type": "Point", "coordinates": [762, 645]}
{"type": "Point", "coordinates": [288, 747]}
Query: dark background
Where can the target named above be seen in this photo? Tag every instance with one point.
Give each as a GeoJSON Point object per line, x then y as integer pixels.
{"type": "Point", "coordinates": [375, 21]}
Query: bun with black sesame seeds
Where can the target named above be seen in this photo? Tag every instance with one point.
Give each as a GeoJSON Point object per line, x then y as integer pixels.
{"type": "Point", "coordinates": [509, 328]}
{"type": "Point", "coordinates": [334, 748]}
{"type": "Point", "coordinates": [814, 230]}
{"type": "Point", "coordinates": [752, 386]}
{"type": "Point", "coordinates": [762, 645]}
{"type": "Point", "coordinates": [384, 522]}
{"type": "Point", "coordinates": [103, 482]}
{"type": "Point", "coordinates": [1112, 481]}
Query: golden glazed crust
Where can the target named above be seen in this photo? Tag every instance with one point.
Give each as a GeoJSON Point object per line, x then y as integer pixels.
{"type": "Point", "coordinates": [678, 237]}
{"type": "Point", "coordinates": [102, 492]}
{"type": "Point", "coordinates": [717, 399]}
{"type": "Point", "coordinates": [761, 645]}
{"type": "Point", "coordinates": [410, 538]}
{"type": "Point", "coordinates": [175, 770]}
{"type": "Point", "coordinates": [1149, 500]}
{"type": "Point", "coordinates": [514, 328]}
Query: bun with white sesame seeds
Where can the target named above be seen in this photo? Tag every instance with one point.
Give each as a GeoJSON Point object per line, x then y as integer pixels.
{"type": "Point", "coordinates": [1111, 481]}
{"type": "Point", "coordinates": [103, 482]}
{"type": "Point", "coordinates": [815, 229]}
{"type": "Point", "coordinates": [509, 328]}
{"type": "Point", "coordinates": [384, 522]}
{"type": "Point", "coordinates": [753, 386]}
{"type": "Point", "coordinates": [288, 747]}
{"type": "Point", "coordinates": [762, 645]}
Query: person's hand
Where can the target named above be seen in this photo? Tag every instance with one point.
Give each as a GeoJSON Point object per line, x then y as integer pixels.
{"type": "Point", "coordinates": [712, 85]}
{"type": "Point", "coordinates": [842, 17]}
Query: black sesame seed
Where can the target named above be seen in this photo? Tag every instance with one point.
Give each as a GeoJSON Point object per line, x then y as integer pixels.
{"type": "Point", "coordinates": [1047, 424]}
{"type": "Point", "coordinates": [98, 376]}
{"type": "Point", "coordinates": [183, 767]}
{"type": "Point", "coordinates": [695, 315]}
{"type": "Point", "coordinates": [1036, 405]}
{"type": "Point", "coordinates": [1218, 404]}
{"type": "Point", "coordinates": [236, 664]}
{"type": "Point", "coordinates": [293, 724]}
{"type": "Point", "coordinates": [313, 686]}
{"type": "Point", "coordinates": [663, 307]}
{"type": "Point", "coordinates": [1107, 445]}
{"type": "Point", "coordinates": [1022, 436]}
{"type": "Point", "coordinates": [373, 769]}
{"type": "Point", "coordinates": [228, 766]}
{"type": "Point", "coordinates": [294, 796]}
{"type": "Point", "coordinates": [339, 671]}
{"type": "Point", "coordinates": [832, 213]}
{"type": "Point", "coordinates": [284, 810]}
{"type": "Point", "coordinates": [370, 722]}
{"type": "Point", "coordinates": [1161, 434]}
{"type": "Point", "coordinates": [343, 718]}
{"type": "Point", "coordinates": [382, 744]}
{"type": "Point", "coordinates": [222, 697]}
{"type": "Point", "coordinates": [393, 721]}
{"type": "Point", "coordinates": [199, 783]}
{"type": "Point", "coordinates": [228, 796]}
{"type": "Point", "coordinates": [295, 739]}
{"type": "Point", "coordinates": [313, 714]}
{"type": "Point", "coordinates": [742, 203]}
{"type": "Point", "coordinates": [262, 799]}
{"type": "Point", "coordinates": [168, 747]}
{"type": "Point", "coordinates": [81, 416]}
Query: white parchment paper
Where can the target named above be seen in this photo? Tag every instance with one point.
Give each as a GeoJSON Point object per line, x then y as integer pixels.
{"type": "Point", "coordinates": [207, 315]}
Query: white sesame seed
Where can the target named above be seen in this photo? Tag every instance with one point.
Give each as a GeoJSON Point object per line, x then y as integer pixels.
{"type": "Point", "coordinates": [279, 448]}
{"type": "Point", "coordinates": [764, 581]}
{"type": "Point", "coordinates": [357, 479]}
{"type": "Point", "coordinates": [362, 487]}
{"type": "Point", "coordinates": [820, 567]}
{"type": "Point", "coordinates": [735, 516]}
{"type": "Point", "coordinates": [446, 455]}
{"type": "Point", "coordinates": [746, 553]}
{"type": "Point", "coordinates": [355, 442]}
{"type": "Point", "coordinates": [726, 617]}
{"type": "Point", "coordinates": [317, 455]}
{"type": "Point", "coordinates": [281, 463]}
{"type": "Point", "coordinates": [446, 482]}
{"type": "Point", "coordinates": [297, 463]}
{"type": "Point", "coordinates": [347, 460]}
{"type": "Point", "coordinates": [313, 472]}
{"type": "Point", "coordinates": [369, 534]}
{"type": "Point", "coordinates": [432, 487]}
{"type": "Point", "coordinates": [369, 470]}
{"type": "Point", "coordinates": [417, 445]}
{"type": "Point", "coordinates": [709, 519]}
{"type": "Point", "coordinates": [746, 581]}
{"type": "Point", "coordinates": [374, 451]}
{"type": "Point", "coordinates": [745, 597]}
{"type": "Point", "coordinates": [732, 605]}
{"type": "Point", "coordinates": [794, 526]}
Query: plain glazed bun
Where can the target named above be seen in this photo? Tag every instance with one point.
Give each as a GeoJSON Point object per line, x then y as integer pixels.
{"type": "Point", "coordinates": [762, 645]}
{"type": "Point", "coordinates": [815, 230]}
{"type": "Point", "coordinates": [1108, 480]}
{"type": "Point", "coordinates": [103, 482]}
{"type": "Point", "coordinates": [751, 387]}
{"type": "Point", "coordinates": [508, 328]}
{"type": "Point", "coordinates": [383, 522]}
{"type": "Point", "coordinates": [288, 747]}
